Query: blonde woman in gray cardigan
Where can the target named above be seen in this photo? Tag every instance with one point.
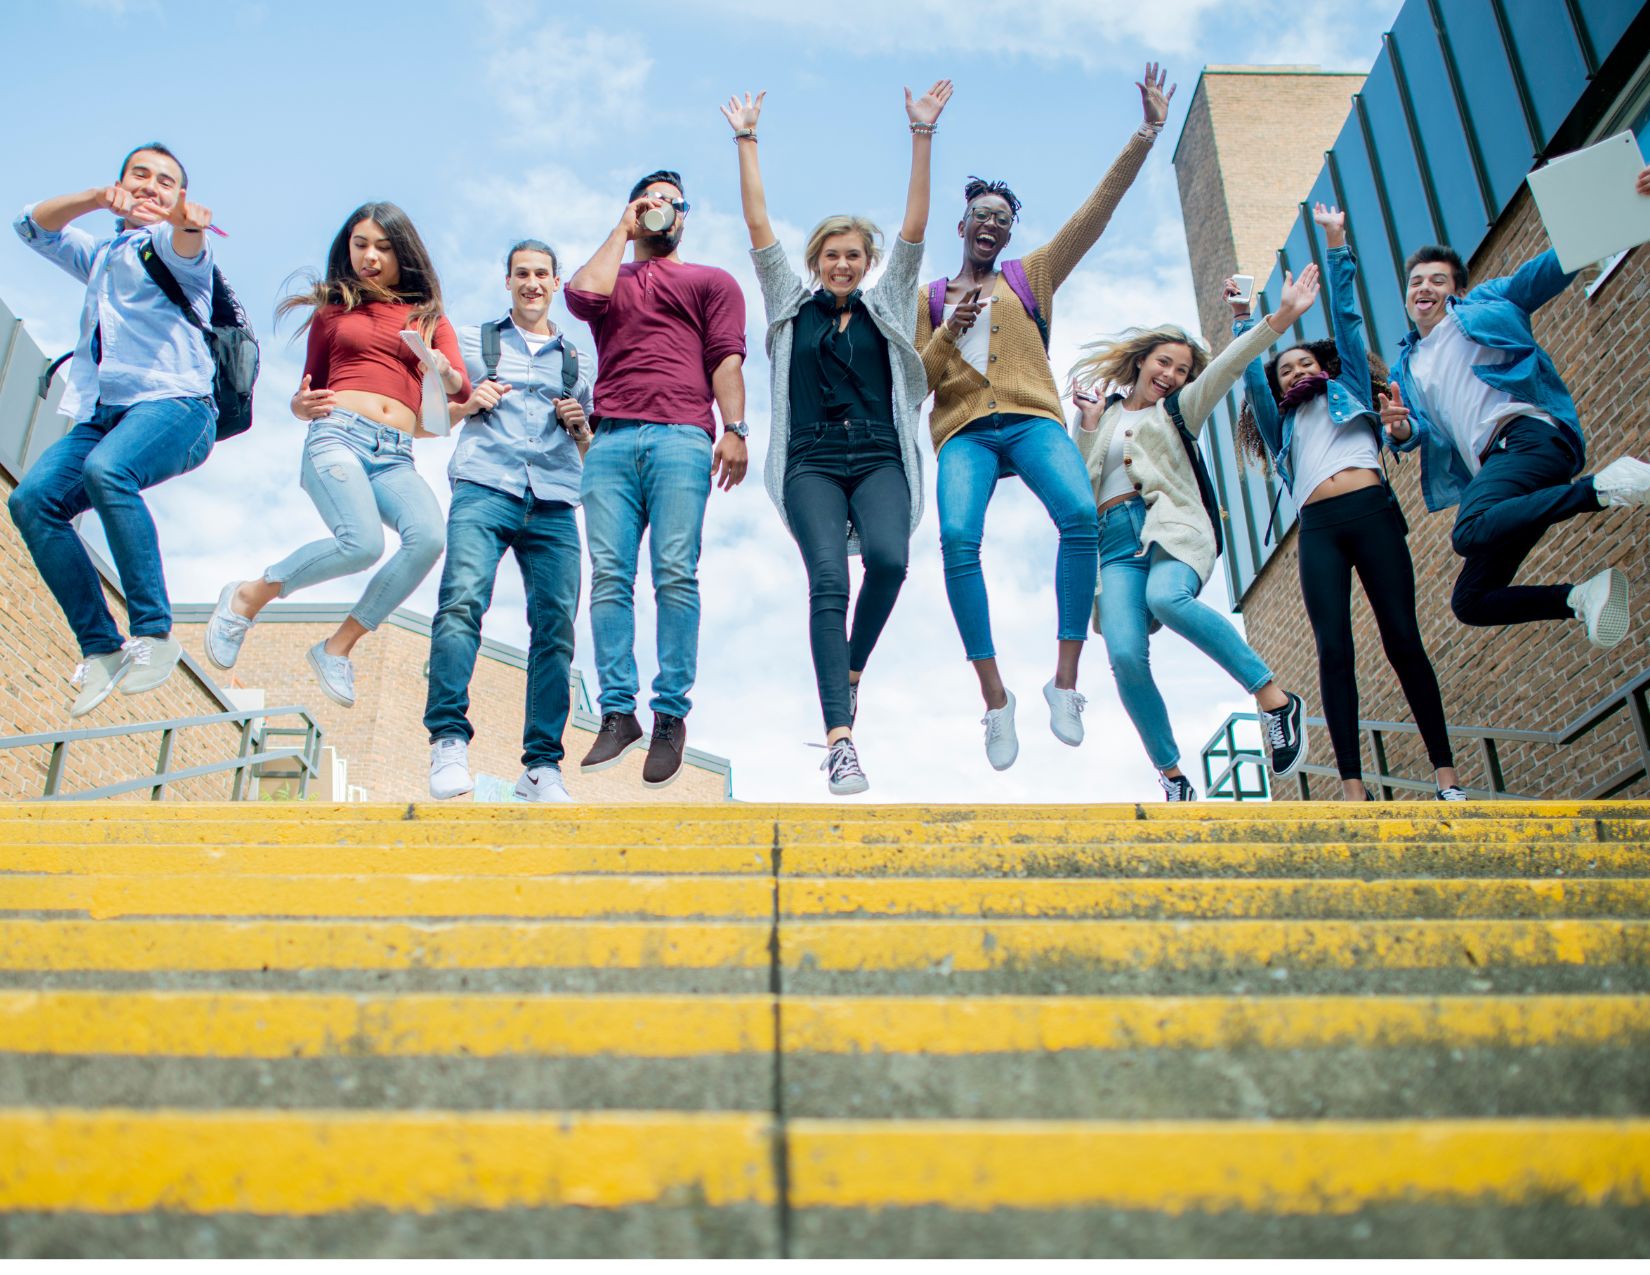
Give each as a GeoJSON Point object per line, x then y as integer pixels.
{"type": "Point", "coordinates": [1157, 545]}
{"type": "Point", "coordinates": [847, 385]}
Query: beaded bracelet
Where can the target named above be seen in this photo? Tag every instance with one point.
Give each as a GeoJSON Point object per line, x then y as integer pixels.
{"type": "Point", "coordinates": [927, 130]}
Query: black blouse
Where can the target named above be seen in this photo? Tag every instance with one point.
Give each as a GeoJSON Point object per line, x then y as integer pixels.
{"type": "Point", "coordinates": [839, 374]}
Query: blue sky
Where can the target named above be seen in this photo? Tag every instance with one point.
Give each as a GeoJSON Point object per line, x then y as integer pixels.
{"type": "Point", "coordinates": [495, 121]}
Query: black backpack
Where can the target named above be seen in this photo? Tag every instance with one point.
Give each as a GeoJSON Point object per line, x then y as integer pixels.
{"type": "Point", "coordinates": [1194, 455]}
{"type": "Point", "coordinates": [492, 351]}
{"type": "Point", "coordinates": [229, 339]}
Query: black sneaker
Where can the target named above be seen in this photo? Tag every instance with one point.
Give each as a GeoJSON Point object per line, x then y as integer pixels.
{"type": "Point", "coordinates": [620, 733]}
{"type": "Point", "coordinates": [1453, 793]}
{"type": "Point", "coordinates": [664, 752]}
{"type": "Point", "coordinates": [1177, 789]}
{"type": "Point", "coordinates": [1286, 736]}
{"type": "Point", "coordinates": [841, 764]}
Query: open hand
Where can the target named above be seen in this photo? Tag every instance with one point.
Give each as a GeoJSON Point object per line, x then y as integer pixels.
{"type": "Point", "coordinates": [1333, 221]}
{"type": "Point", "coordinates": [729, 459]}
{"type": "Point", "coordinates": [926, 109]}
{"type": "Point", "coordinates": [743, 115]}
{"type": "Point", "coordinates": [312, 405]}
{"type": "Point", "coordinates": [962, 318]}
{"type": "Point", "coordinates": [1153, 99]}
{"type": "Point", "coordinates": [1394, 415]}
{"type": "Point", "coordinates": [1298, 295]}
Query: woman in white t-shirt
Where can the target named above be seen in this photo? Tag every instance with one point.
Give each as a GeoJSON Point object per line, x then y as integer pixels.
{"type": "Point", "coordinates": [1311, 413]}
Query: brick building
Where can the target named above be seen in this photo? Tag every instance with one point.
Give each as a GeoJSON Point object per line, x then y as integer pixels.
{"type": "Point", "coordinates": [1463, 101]}
{"type": "Point", "coordinates": [383, 738]}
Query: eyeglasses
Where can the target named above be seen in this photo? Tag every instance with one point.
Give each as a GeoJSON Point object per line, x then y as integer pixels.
{"type": "Point", "coordinates": [983, 216]}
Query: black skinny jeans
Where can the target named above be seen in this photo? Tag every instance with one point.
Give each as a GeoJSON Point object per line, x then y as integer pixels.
{"type": "Point", "coordinates": [1527, 484]}
{"type": "Point", "coordinates": [836, 471]}
{"type": "Point", "coordinates": [1360, 531]}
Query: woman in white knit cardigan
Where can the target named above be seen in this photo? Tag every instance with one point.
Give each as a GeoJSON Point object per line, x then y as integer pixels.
{"type": "Point", "coordinates": [1157, 545]}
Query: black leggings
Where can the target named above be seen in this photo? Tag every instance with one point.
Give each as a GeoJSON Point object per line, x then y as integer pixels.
{"type": "Point", "coordinates": [834, 472]}
{"type": "Point", "coordinates": [1361, 531]}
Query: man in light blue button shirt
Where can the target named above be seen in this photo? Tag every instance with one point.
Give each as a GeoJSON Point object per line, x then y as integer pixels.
{"type": "Point", "coordinates": [515, 475]}
{"type": "Point", "coordinates": [140, 394]}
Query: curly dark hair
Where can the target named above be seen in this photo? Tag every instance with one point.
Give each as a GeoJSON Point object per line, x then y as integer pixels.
{"type": "Point", "coordinates": [1249, 441]}
{"type": "Point", "coordinates": [978, 186]}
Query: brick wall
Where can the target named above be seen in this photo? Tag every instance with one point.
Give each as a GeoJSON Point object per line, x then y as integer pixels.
{"type": "Point", "coordinates": [1537, 676]}
{"type": "Point", "coordinates": [38, 655]}
{"type": "Point", "coordinates": [1254, 139]}
{"type": "Point", "coordinates": [383, 738]}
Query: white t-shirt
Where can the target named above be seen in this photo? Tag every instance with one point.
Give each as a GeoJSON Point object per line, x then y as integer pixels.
{"type": "Point", "coordinates": [1320, 448]}
{"type": "Point", "coordinates": [536, 341]}
{"type": "Point", "coordinates": [1470, 411]}
{"type": "Point", "coordinates": [1115, 478]}
{"type": "Point", "coordinates": [975, 344]}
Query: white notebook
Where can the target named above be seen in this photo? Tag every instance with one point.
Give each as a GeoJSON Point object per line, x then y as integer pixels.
{"type": "Point", "coordinates": [1588, 202]}
{"type": "Point", "coordinates": [434, 416]}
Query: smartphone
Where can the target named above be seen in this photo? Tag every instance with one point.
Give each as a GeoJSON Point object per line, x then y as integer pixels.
{"type": "Point", "coordinates": [1245, 287]}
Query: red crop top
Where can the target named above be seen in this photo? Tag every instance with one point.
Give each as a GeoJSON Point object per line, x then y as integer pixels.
{"type": "Point", "coordinates": [361, 349]}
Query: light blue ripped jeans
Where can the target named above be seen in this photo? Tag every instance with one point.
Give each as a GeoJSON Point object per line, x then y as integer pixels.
{"type": "Point", "coordinates": [1136, 588]}
{"type": "Point", "coordinates": [360, 474]}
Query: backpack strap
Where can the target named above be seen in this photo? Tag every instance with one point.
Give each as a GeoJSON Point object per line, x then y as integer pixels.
{"type": "Point", "coordinates": [569, 367]}
{"type": "Point", "coordinates": [1014, 275]}
{"type": "Point", "coordinates": [168, 283]}
{"type": "Point", "coordinates": [1200, 470]}
{"type": "Point", "coordinates": [51, 371]}
{"type": "Point", "coordinates": [936, 302]}
{"type": "Point", "coordinates": [491, 349]}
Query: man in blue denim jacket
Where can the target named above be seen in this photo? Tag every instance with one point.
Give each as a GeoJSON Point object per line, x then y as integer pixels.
{"type": "Point", "coordinates": [140, 394]}
{"type": "Point", "coordinates": [515, 475]}
{"type": "Point", "coordinates": [1500, 437]}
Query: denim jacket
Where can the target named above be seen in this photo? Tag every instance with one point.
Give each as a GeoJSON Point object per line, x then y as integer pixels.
{"type": "Point", "coordinates": [1495, 314]}
{"type": "Point", "coordinates": [1350, 395]}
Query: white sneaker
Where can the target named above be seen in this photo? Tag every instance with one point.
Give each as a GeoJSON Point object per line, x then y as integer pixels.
{"type": "Point", "coordinates": [1064, 709]}
{"type": "Point", "coordinates": [1601, 604]}
{"type": "Point", "coordinates": [226, 630]}
{"type": "Point", "coordinates": [1624, 481]}
{"type": "Point", "coordinates": [1002, 745]}
{"type": "Point", "coordinates": [335, 673]}
{"type": "Point", "coordinates": [542, 783]}
{"type": "Point", "coordinates": [97, 676]}
{"type": "Point", "coordinates": [450, 769]}
{"type": "Point", "coordinates": [152, 660]}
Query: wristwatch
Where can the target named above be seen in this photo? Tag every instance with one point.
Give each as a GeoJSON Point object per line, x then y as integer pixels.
{"type": "Point", "coordinates": [736, 427]}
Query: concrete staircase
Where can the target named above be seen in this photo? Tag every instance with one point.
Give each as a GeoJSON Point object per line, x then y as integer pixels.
{"type": "Point", "coordinates": [824, 1031]}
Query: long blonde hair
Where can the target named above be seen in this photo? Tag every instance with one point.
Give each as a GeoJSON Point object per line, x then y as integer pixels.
{"type": "Point", "coordinates": [843, 224]}
{"type": "Point", "coordinates": [1113, 363]}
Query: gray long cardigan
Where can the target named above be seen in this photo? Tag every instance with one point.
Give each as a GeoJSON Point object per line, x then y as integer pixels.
{"type": "Point", "coordinates": [892, 305]}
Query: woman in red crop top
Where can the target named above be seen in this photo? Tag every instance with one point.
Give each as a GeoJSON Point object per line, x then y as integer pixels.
{"type": "Point", "coordinates": [361, 394]}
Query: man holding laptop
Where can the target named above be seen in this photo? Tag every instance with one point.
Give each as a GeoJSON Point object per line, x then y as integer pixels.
{"type": "Point", "coordinates": [1500, 438]}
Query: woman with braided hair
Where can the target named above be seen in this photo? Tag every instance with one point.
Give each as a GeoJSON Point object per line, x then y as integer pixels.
{"type": "Point", "coordinates": [997, 413]}
{"type": "Point", "coordinates": [1312, 414]}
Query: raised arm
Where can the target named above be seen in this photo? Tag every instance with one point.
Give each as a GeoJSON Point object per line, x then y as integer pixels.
{"type": "Point", "coordinates": [1071, 243]}
{"type": "Point", "coordinates": [1256, 389]}
{"type": "Point", "coordinates": [742, 117]}
{"type": "Point", "coordinates": [1343, 304]}
{"type": "Point", "coordinates": [1198, 399]}
{"type": "Point", "coordinates": [923, 114]}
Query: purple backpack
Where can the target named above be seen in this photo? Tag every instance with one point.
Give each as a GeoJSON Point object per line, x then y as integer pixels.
{"type": "Point", "coordinates": [1014, 275]}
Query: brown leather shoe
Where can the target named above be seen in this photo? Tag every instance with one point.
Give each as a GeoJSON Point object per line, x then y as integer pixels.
{"type": "Point", "coordinates": [620, 733]}
{"type": "Point", "coordinates": [664, 754]}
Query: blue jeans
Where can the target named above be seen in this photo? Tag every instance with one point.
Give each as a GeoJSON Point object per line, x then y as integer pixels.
{"type": "Point", "coordinates": [1135, 588]}
{"type": "Point", "coordinates": [1041, 453]}
{"type": "Point", "coordinates": [482, 523]}
{"type": "Point", "coordinates": [359, 472]}
{"type": "Point", "coordinates": [639, 475]}
{"type": "Point", "coordinates": [103, 464]}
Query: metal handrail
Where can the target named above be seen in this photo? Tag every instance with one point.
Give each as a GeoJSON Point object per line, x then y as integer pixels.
{"type": "Point", "coordinates": [1630, 697]}
{"type": "Point", "coordinates": [251, 752]}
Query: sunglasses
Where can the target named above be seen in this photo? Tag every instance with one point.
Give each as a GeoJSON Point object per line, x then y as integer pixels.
{"type": "Point", "coordinates": [680, 205]}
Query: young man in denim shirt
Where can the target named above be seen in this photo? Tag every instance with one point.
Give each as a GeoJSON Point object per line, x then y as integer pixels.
{"type": "Point", "coordinates": [515, 475]}
{"type": "Point", "coordinates": [1501, 438]}
{"type": "Point", "coordinates": [670, 338]}
{"type": "Point", "coordinates": [140, 394]}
